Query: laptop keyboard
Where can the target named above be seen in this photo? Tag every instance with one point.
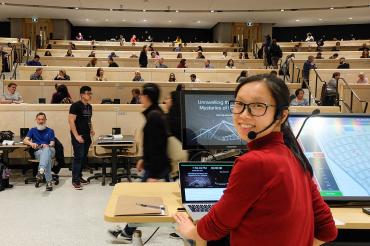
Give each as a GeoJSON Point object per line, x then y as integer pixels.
{"type": "Point", "coordinates": [200, 207]}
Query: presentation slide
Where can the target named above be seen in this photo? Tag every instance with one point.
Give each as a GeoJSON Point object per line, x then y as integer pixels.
{"type": "Point", "coordinates": [205, 182]}
{"type": "Point", "coordinates": [338, 149]}
{"type": "Point", "coordinates": [209, 121]}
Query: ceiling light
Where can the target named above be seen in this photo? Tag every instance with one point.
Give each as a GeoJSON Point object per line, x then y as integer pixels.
{"type": "Point", "coordinates": [282, 10]}
{"type": "Point", "coordinates": [76, 8]}
{"type": "Point", "coordinates": [87, 19]}
{"type": "Point", "coordinates": [297, 20]}
{"type": "Point", "coordinates": [2, 3]}
{"type": "Point", "coordinates": [145, 20]}
{"type": "Point", "coordinates": [331, 8]}
{"type": "Point", "coordinates": [350, 18]}
{"type": "Point", "coordinates": [320, 19]}
{"type": "Point", "coordinates": [106, 20]}
{"type": "Point", "coordinates": [110, 9]}
{"type": "Point", "coordinates": [170, 21]}
{"type": "Point", "coordinates": [198, 21]}
{"type": "Point", "coordinates": [123, 20]}
{"type": "Point", "coordinates": [212, 11]}
{"type": "Point", "coordinates": [177, 11]}
{"type": "Point", "coordinates": [144, 10]}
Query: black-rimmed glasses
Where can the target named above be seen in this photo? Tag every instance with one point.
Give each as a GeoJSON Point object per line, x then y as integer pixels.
{"type": "Point", "coordinates": [255, 109]}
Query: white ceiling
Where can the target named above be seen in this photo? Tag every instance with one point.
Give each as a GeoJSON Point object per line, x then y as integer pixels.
{"type": "Point", "coordinates": [266, 12]}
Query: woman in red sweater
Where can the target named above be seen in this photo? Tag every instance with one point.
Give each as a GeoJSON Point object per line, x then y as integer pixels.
{"type": "Point", "coordinates": [271, 198]}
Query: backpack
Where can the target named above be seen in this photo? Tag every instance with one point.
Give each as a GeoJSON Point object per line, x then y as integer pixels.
{"type": "Point", "coordinates": [6, 135]}
{"type": "Point", "coordinates": [4, 176]}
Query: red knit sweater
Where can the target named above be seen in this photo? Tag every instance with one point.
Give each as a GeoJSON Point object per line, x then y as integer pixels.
{"type": "Point", "coordinates": [269, 200]}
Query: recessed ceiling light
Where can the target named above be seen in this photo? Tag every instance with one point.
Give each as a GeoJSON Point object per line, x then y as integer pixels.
{"type": "Point", "coordinates": [212, 11]}
{"type": "Point", "coordinates": [106, 20]}
{"type": "Point", "coordinates": [350, 18]}
{"type": "Point", "coordinates": [76, 8]}
{"type": "Point", "coordinates": [282, 10]}
{"type": "Point", "coordinates": [177, 11]}
{"type": "Point", "coordinates": [198, 21]}
{"type": "Point", "coordinates": [297, 20]}
{"type": "Point", "coordinates": [123, 20]}
{"type": "Point", "coordinates": [320, 19]}
{"type": "Point", "coordinates": [2, 3]}
{"type": "Point", "coordinates": [87, 19]}
{"type": "Point", "coordinates": [170, 21]}
{"type": "Point", "coordinates": [144, 10]}
{"type": "Point", "coordinates": [110, 9]}
{"type": "Point", "coordinates": [331, 7]}
{"type": "Point", "coordinates": [145, 20]}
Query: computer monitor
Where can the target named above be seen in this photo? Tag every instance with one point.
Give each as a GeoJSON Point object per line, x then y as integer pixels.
{"type": "Point", "coordinates": [207, 121]}
{"type": "Point", "coordinates": [338, 148]}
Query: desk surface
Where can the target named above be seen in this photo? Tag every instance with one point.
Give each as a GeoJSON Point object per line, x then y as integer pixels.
{"type": "Point", "coordinates": [353, 218]}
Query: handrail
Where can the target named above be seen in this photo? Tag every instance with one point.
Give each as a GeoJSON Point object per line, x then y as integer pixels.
{"type": "Point", "coordinates": [14, 75]}
{"type": "Point", "coordinates": [353, 93]}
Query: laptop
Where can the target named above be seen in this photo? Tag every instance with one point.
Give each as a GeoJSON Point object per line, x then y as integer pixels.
{"type": "Point", "coordinates": [202, 185]}
{"type": "Point", "coordinates": [110, 139]}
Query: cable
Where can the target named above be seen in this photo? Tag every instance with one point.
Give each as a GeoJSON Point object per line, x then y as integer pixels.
{"type": "Point", "coordinates": [151, 235]}
{"type": "Point", "coordinates": [202, 152]}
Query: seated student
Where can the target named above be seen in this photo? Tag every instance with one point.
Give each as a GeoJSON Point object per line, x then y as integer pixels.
{"type": "Point", "coordinates": [135, 96]}
{"type": "Point", "coordinates": [69, 53]}
{"type": "Point", "coordinates": [172, 78]}
{"type": "Point", "coordinates": [243, 74]}
{"type": "Point", "coordinates": [230, 64]}
{"type": "Point", "coordinates": [112, 63]}
{"type": "Point", "coordinates": [42, 140]}
{"type": "Point", "coordinates": [334, 56]}
{"type": "Point", "coordinates": [331, 92]}
{"type": "Point", "coordinates": [137, 77]}
{"type": "Point", "coordinates": [161, 63]}
{"type": "Point", "coordinates": [182, 64]}
{"type": "Point", "coordinates": [133, 55]}
{"type": "Point", "coordinates": [92, 62]}
{"type": "Point", "coordinates": [199, 49]}
{"type": "Point", "coordinates": [362, 79]}
{"type": "Point", "coordinates": [62, 95]}
{"type": "Point", "coordinates": [240, 55]}
{"type": "Point", "coordinates": [273, 73]}
{"type": "Point", "coordinates": [208, 65]}
{"type": "Point", "coordinates": [319, 56]}
{"type": "Point", "coordinates": [100, 75]}
{"type": "Point", "coordinates": [200, 55]}
{"type": "Point", "coordinates": [47, 53]}
{"type": "Point", "coordinates": [35, 61]}
{"type": "Point", "coordinates": [112, 54]}
{"type": "Point", "coordinates": [365, 53]}
{"type": "Point", "coordinates": [193, 78]}
{"type": "Point", "coordinates": [343, 64]}
{"type": "Point", "coordinates": [336, 47]}
{"type": "Point", "coordinates": [246, 56]}
{"type": "Point", "coordinates": [178, 48]}
{"type": "Point", "coordinates": [133, 40]}
{"type": "Point", "coordinates": [62, 75]}
{"type": "Point", "coordinates": [271, 185]}
{"type": "Point", "coordinates": [299, 99]}
{"type": "Point", "coordinates": [364, 47]}
{"type": "Point", "coordinates": [92, 54]}
{"type": "Point", "coordinates": [152, 54]}
{"type": "Point", "coordinates": [37, 74]}
{"type": "Point", "coordinates": [11, 95]}
{"type": "Point", "coordinates": [224, 54]}
{"type": "Point", "coordinates": [179, 56]}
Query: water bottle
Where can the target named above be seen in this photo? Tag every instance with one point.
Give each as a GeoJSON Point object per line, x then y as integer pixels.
{"type": "Point", "coordinates": [136, 238]}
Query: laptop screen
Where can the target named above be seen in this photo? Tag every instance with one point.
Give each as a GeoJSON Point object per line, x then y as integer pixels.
{"type": "Point", "coordinates": [203, 181]}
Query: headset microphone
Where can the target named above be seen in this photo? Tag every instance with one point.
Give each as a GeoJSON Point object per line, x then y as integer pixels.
{"type": "Point", "coordinates": [252, 134]}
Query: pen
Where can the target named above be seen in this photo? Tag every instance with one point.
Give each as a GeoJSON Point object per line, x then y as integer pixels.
{"type": "Point", "coordinates": [150, 206]}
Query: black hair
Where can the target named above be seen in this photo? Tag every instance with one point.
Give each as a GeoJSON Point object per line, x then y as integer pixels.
{"type": "Point", "coordinates": [280, 92]}
{"type": "Point", "coordinates": [36, 56]}
{"type": "Point", "coordinates": [180, 87]}
{"type": "Point", "coordinates": [297, 91]}
{"type": "Point", "coordinates": [63, 90]}
{"type": "Point", "coordinates": [85, 89]}
{"type": "Point", "coordinates": [152, 91]}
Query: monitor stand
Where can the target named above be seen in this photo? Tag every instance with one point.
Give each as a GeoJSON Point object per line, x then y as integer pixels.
{"type": "Point", "coordinates": [221, 155]}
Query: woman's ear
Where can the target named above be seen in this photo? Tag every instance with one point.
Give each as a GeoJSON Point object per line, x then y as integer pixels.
{"type": "Point", "coordinates": [284, 116]}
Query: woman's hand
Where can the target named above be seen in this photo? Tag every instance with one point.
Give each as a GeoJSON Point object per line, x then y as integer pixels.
{"type": "Point", "coordinates": [185, 226]}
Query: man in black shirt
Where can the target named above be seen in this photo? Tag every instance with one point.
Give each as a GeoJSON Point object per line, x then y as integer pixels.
{"type": "Point", "coordinates": [79, 119]}
{"type": "Point", "coordinates": [112, 63]}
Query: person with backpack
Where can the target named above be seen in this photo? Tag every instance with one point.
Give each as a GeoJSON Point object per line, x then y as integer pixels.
{"type": "Point", "coordinates": [275, 53]}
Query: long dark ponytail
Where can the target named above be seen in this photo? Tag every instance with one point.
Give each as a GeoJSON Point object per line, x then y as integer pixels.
{"type": "Point", "coordinates": [280, 93]}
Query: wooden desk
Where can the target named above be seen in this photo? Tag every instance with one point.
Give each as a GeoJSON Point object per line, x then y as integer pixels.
{"type": "Point", "coordinates": [6, 149]}
{"type": "Point", "coordinates": [353, 218]}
